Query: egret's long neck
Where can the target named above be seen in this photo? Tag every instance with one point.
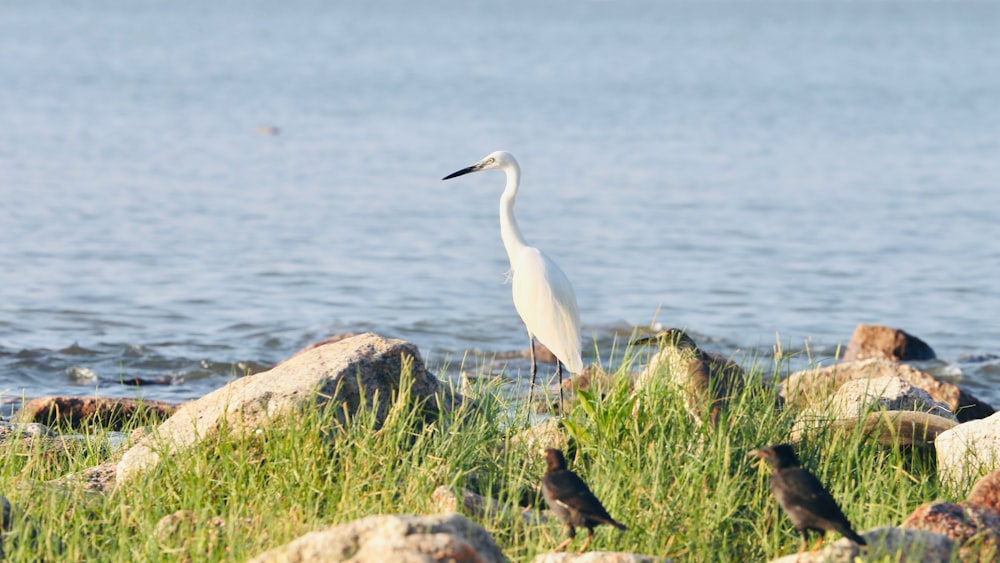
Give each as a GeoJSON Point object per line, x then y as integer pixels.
{"type": "Point", "coordinates": [513, 240]}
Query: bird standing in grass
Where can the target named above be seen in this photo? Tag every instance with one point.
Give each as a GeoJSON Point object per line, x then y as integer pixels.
{"type": "Point", "coordinates": [809, 506]}
{"type": "Point", "coordinates": [543, 295]}
{"type": "Point", "coordinates": [571, 501]}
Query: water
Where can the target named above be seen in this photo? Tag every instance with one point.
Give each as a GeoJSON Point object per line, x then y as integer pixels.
{"type": "Point", "coordinates": [749, 170]}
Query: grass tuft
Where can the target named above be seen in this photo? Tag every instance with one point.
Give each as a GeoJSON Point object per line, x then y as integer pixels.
{"type": "Point", "coordinates": [687, 490]}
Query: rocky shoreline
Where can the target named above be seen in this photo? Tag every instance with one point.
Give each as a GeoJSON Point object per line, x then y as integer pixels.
{"type": "Point", "coordinates": [872, 389]}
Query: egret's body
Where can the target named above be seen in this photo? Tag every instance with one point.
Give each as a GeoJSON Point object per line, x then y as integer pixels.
{"type": "Point", "coordinates": [543, 295]}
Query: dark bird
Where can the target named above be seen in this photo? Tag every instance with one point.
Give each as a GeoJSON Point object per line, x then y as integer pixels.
{"type": "Point", "coordinates": [571, 500]}
{"type": "Point", "coordinates": [809, 506]}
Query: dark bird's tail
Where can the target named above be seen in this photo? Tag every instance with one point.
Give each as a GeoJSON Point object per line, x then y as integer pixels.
{"type": "Point", "coordinates": [615, 523]}
{"type": "Point", "coordinates": [850, 534]}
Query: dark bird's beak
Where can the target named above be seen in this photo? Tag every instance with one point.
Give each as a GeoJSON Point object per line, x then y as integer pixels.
{"type": "Point", "coordinates": [463, 172]}
{"type": "Point", "coordinates": [759, 453]}
{"type": "Point", "coordinates": [644, 340]}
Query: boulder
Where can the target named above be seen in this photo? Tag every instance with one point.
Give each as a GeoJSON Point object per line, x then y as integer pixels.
{"type": "Point", "coordinates": [707, 381]}
{"type": "Point", "coordinates": [889, 543]}
{"type": "Point", "coordinates": [908, 428]}
{"type": "Point", "coordinates": [968, 450]}
{"type": "Point", "coordinates": [975, 529]}
{"type": "Point", "coordinates": [882, 342]}
{"type": "Point", "coordinates": [106, 412]}
{"type": "Point", "coordinates": [804, 387]}
{"type": "Point", "coordinates": [597, 557]}
{"type": "Point", "coordinates": [442, 538]}
{"type": "Point", "coordinates": [345, 373]}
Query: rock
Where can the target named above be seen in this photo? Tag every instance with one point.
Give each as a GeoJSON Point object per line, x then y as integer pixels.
{"type": "Point", "coordinates": [25, 430]}
{"type": "Point", "coordinates": [887, 407]}
{"type": "Point", "coordinates": [549, 433]}
{"type": "Point", "coordinates": [597, 557]}
{"type": "Point", "coordinates": [889, 393]}
{"type": "Point", "coordinates": [888, 543]}
{"type": "Point", "coordinates": [908, 428]}
{"type": "Point", "coordinates": [968, 450]}
{"type": "Point", "coordinates": [97, 479]}
{"type": "Point", "coordinates": [328, 340]}
{"type": "Point", "coordinates": [882, 342]}
{"type": "Point", "coordinates": [448, 538]}
{"type": "Point", "coordinates": [367, 365]}
{"type": "Point", "coordinates": [106, 412]}
{"type": "Point", "coordinates": [974, 529]}
{"type": "Point", "coordinates": [706, 380]}
{"type": "Point", "coordinates": [804, 387]}
{"type": "Point", "coordinates": [464, 501]}
{"type": "Point", "coordinates": [986, 492]}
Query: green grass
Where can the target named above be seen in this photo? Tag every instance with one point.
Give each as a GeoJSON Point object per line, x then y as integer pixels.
{"type": "Point", "coordinates": [687, 491]}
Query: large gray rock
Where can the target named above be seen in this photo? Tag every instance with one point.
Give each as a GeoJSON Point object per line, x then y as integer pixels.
{"type": "Point", "coordinates": [807, 386]}
{"type": "Point", "coordinates": [366, 365]}
{"type": "Point", "coordinates": [968, 451]}
{"type": "Point", "coordinates": [888, 408]}
{"type": "Point", "coordinates": [450, 538]}
{"type": "Point", "coordinates": [892, 544]}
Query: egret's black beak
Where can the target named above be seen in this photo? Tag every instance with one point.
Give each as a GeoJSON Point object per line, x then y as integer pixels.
{"type": "Point", "coordinates": [462, 172]}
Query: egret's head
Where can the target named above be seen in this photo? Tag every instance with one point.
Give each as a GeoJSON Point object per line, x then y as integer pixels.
{"type": "Point", "coordinates": [495, 160]}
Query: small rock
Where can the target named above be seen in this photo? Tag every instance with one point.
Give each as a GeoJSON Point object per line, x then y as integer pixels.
{"type": "Point", "coordinates": [97, 479]}
{"type": "Point", "coordinates": [968, 450]}
{"type": "Point", "coordinates": [877, 341]}
{"type": "Point", "coordinates": [450, 538]}
{"type": "Point", "coordinates": [986, 492]}
{"type": "Point", "coordinates": [106, 412]}
{"type": "Point", "coordinates": [974, 529]}
{"type": "Point", "coordinates": [549, 433]}
{"type": "Point", "coordinates": [28, 429]}
{"type": "Point", "coordinates": [892, 544]}
{"type": "Point", "coordinates": [81, 374]}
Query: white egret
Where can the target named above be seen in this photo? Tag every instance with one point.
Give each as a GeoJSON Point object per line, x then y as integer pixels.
{"type": "Point", "coordinates": [543, 295]}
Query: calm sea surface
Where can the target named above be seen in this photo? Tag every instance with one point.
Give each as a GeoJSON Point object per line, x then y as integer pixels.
{"type": "Point", "coordinates": [753, 171]}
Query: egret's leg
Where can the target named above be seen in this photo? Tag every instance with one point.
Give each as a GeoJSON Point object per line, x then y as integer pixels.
{"type": "Point", "coordinates": [559, 373]}
{"type": "Point", "coordinates": [534, 368]}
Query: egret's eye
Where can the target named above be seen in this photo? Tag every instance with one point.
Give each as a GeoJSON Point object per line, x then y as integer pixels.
{"type": "Point", "coordinates": [490, 160]}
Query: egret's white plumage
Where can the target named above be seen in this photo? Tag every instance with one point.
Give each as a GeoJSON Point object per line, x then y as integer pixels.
{"type": "Point", "coordinates": [543, 295]}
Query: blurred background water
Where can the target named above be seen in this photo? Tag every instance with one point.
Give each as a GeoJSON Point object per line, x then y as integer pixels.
{"type": "Point", "coordinates": [192, 190]}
